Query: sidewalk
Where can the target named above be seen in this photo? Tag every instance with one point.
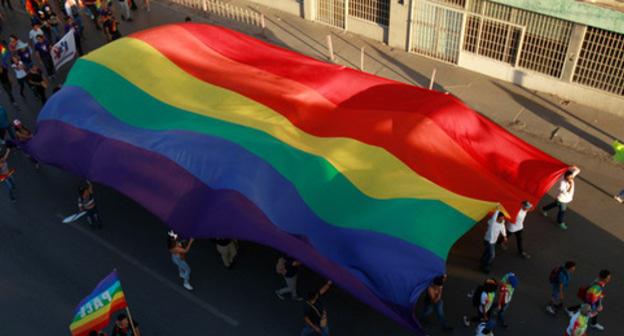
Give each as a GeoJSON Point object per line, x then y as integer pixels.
{"type": "Point", "coordinates": [519, 110]}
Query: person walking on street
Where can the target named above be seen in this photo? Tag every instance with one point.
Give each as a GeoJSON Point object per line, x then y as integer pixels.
{"type": "Point", "coordinates": [506, 289]}
{"type": "Point", "coordinates": [515, 228]}
{"type": "Point", "coordinates": [579, 322]}
{"type": "Point", "coordinates": [43, 49]}
{"type": "Point", "coordinates": [496, 228]}
{"type": "Point", "coordinates": [593, 296]}
{"type": "Point", "coordinates": [227, 249]}
{"type": "Point", "coordinates": [315, 315]}
{"type": "Point", "coordinates": [37, 83]}
{"type": "Point", "coordinates": [434, 302]}
{"type": "Point", "coordinates": [23, 51]}
{"type": "Point", "coordinates": [86, 202]}
{"type": "Point", "coordinates": [565, 195]}
{"type": "Point", "coordinates": [559, 280]}
{"type": "Point", "coordinates": [22, 135]}
{"type": "Point", "coordinates": [5, 126]}
{"type": "Point", "coordinates": [71, 23]}
{"type": "Point", "coordinates": [111, 26]}
{"type": "Point", "coordinates": [289, 269]}
{"type": "Point", "coordinates": [178, 256]}
{"type": "Point", "coordinates": [7, 3]}
{"type": "Point", "coordinates": [6, 84]}
{"type": "Point", "coordinates": [125, 10]}
{"type": "Point", "coordinates": [483, 300]}
{"type": "Point", "coordinates": [6, 177]}
{"type": "Point", "coordinates": [123, 327]}
{"type": "Point", "coordinates": [34, 32]}
{"type": "Point", "coordinates": [620, 196]}
{"type": "Point", "coordinates": [21, 72]}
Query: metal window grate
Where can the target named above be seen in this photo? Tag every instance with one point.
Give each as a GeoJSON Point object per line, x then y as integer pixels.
{"type": "Point", "coordinates": [601, 62]}
{"type": "Point", "coordinates": [546, 38]}
{"type": "Point", "coordinates": [331, 12]}
{"type": "Point", "coordinates": [377, 11]}
{"type": "Point", "coordinates": [492, 38]}
{"type": "Point", "coordinates": [454, 3]}
{"type": "Point", "coordinates": [436, 31]}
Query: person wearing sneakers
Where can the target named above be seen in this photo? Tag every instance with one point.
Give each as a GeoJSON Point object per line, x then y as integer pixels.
{"type": "Point", "coordinates": [506, 289]}
{"type": "Point", "coordinates": [515, 228]}
{"type": "Point", "coordinates": [579, 321]}
{"type": "Point", "coordinates": [496, 227]}
{"type": "Point", "coordinates": [559, 279]}
{"type": "Point", "coordinates": [178, 256]}
{"type": "Point", "coordinates": [433, 302]}
{"type": "Point", "coordinates": [620, 196]}
{"type": "Point", "coordinates": [289, 269]}
{"type": "Point", "coordinates": [593, 296]}
{"type": "Point", "coordinates": [564, 196]}
{"type": "Point", "coordinates": [483, 299]}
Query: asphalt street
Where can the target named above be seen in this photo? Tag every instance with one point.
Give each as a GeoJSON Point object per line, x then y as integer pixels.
{"type": "Point", "coordinates": [48, 267]}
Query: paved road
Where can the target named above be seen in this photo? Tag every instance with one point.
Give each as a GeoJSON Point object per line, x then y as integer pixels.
{"type": "Point", "coordinates": [48, 266]}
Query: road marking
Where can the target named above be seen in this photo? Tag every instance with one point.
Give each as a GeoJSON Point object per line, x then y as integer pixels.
{"type": "Point", "coordinates": [134, 262]}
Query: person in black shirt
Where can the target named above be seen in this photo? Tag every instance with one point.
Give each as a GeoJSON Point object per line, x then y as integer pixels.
{"type": "Point", "coordinates": [288, 268]}
{"type": "Point", "coordinates": [111, 26]}
{"type": "Point", "coordinates": [37, 83]}
{"type": "Point", "coordinates": [123, 327]}
{"type": "Point", "coordinates": [43, 49]}
{"type": "Point", "coordinates": [6, 83]}
{"type": "Point", "coordinates": [315, 315]}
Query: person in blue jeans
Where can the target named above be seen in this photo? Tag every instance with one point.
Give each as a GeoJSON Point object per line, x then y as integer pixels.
{"type": "Point", "coordinates": [315, 315]}
{"type": "Point", "coordinates": [559, 282]}
{"type": "Point", "coordinates": [506, 288]}
{"type": "Point", "coordinates": [433, 302]}
{"type": "Point", "coordinates": [620, 196]}
{"type": "Point", "coordinates": [178, 256]}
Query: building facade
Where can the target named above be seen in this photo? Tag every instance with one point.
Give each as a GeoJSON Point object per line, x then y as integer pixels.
{"type": "Point", "coordinates": [568, 48]}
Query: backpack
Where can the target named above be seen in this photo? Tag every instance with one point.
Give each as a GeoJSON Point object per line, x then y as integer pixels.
{"type": "Point", "coordinates": [476, 295]}
{"type": "Point", "coordinates": [280, 267]}
{"type": "Point", "coordinates": [553, 278]}
{"type": "Point", "coordinates": [582, 292]}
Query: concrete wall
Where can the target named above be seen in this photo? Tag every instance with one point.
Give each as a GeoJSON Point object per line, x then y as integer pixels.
{"type": "Point", "coordinates": [535, 81]}
{"type": "Point", "coordinates": [294, 7]}
{"type": "Point", "coordinates": [570, 10]}
{"type": "Point", "coordinates": [367, 29]}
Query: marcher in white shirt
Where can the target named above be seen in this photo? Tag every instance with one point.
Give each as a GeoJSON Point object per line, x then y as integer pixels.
{"type": "Point", "coordinates": [496, 228]}
{"type": "Point", "coordinates": [515, 228]}
{"type": "Point", "coordinates": [564, 196]}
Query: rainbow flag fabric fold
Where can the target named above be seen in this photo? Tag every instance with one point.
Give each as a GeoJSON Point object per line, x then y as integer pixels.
{"type": "Point", "coordinates": [366, 180]}
{"type": "Point", "coordinates": [93, 312]}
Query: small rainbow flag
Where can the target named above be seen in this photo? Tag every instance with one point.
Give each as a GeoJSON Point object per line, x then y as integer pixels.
{"type": "Point", "coordinates": [93, 312]}
{"type": "Point", "coordinates": [5, 55]}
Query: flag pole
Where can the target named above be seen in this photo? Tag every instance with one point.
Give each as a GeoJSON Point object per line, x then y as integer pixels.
{"type": "Point", "coordinates": [134, 332]}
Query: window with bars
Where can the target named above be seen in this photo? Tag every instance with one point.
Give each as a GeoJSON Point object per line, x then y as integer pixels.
{"type": "Point", "coordinates": [492, 38]}
{"type": "Point", "coordinates": [454, 3]}
{"type": "Point", "coordinates": [331, 12]}
{"type": "Point", "coordinates": [601, 61]}
{"type": "Point", "coordinates": [377, 11]}
{"type": "Point", "coordinates": [546, 39]}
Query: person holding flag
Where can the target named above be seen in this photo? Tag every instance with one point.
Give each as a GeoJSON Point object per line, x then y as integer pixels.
{"type": "Point", "coordinates": [94, 311]}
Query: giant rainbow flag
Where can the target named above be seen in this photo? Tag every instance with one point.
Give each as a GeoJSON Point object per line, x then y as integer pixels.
{"type": "Point", "coordinates": [366, 180]}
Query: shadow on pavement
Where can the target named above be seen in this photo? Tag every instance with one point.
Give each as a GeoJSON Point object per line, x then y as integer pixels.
{"type": "Point", "coordinates": [550, 115]}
